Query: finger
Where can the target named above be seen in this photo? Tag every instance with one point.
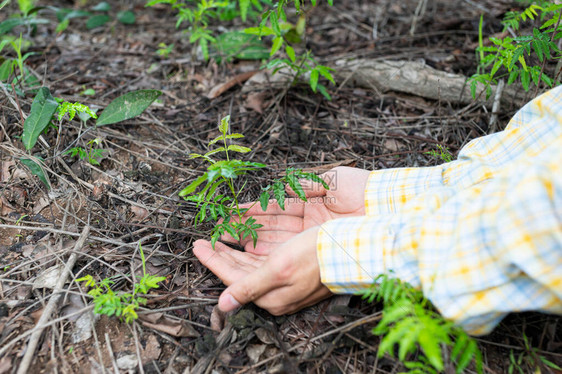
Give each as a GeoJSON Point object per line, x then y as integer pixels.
{"type": "Point", "coordinates": [226, 263]}
{"type": "Point", "coordinates": [251, 287]}
{"type": "Point", "coordinates": [270, 236]}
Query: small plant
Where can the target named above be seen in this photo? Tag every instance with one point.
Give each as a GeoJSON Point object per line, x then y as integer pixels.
{"type": "Point", "coordinates": [120, 304]}
{"type": "Point", "coordinates": [523, 57]}
{"type": "Point", "coordinates": [410, 322]}
{"type": "Point", "coordinates": [219, 198]}
{"type": "Point", "coordinates": [164, 50]}
{"type": "Point", "coordinates": [442, 153]}
{"type": "Point", "coordinates": [97, 16]}
{"type": "Point", "coordinates": [529, 360]}
{"type": "Point", "coordinates": [92, 155]}
{"type": "Point", "coordinates": [283, 33]}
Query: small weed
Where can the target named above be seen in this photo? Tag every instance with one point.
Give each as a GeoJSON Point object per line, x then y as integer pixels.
{"type": "Point", "coordinates": [164, 50]}
{"type": "Point", "coordinates": [442, 153]}
{"type": "Point", "coordinates": [92, 155]}
{"type": "Point", "coordinates": [523, 57]}
{"type": "Point", "coordinates": [219, 199]}
{"type": "Point", "coordinates": [529, 360]}
{"type": "Point", "coordinates": [410, 322]}
{"type": "Point", "coordinates": [120, 304]}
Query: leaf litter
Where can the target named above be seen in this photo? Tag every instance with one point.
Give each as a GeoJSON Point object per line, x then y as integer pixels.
{"type": "Point", "coordinates": [125, 202]}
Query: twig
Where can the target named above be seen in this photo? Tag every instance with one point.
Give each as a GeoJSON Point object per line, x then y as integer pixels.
{"type": "Point", "coordinates": [496, 106]}
{"type": "Point", "coordinates": [51, 305]}
{"type": "Point", "coordinates": [110, 350]}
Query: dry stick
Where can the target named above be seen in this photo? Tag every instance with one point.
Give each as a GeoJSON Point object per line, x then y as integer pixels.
{"type": "Point", "coordinates": [51, 305]}
{"type": "Point", "coordinates": [496, 106]}
{"type": "Point", "coordinates": [108, 345]}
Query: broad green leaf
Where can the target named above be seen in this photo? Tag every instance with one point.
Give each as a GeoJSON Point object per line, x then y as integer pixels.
{"type": "Point", "coordinates": [466, 356]}
{"type": "Point", "coordinates": [127, 106]}
{"type": "Point", "coordinates": [7, 25]}
{"type": "Point", "coordinates": [97, 21]}
{"type": "Point", "coordinates": [240, 45]}
{"type": "Point", "coordinates": [6, 69]}
{"type": "Point", "coordinates": [36, 170]}
{"type": "Point", "coordinates": [126, 17]}
{"type": "Point", "coordinates": [431, 348]}
{"type": "Point", "coordinates": [42, 110]}
{"type": "Point", "coordinates": [25, 5]}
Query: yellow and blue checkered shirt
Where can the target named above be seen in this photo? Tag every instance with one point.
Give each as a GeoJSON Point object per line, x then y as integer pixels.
{"type": "Point", "coordinates": [481, 236]}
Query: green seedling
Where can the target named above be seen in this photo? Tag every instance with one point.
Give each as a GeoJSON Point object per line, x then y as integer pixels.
{"type": "Point", "coordinates": [164, 50]}
{"type": "Point", "coordinates": [529, 361]}
{"type": "Point", "coordinates": [91, 154]}
{"type": "Point", "coordinates": [442, 153]}
{"type": "Point", "coordinates": [219, 198]}
{"type": "Point", "coordinates": [523, 57]}
{"type": "Point", "coordinates": [120, 304]}
{"type": "Point", "coordinates": [412, 325]}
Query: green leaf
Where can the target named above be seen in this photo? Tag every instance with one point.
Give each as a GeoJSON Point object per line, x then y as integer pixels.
{"type": "Point", "coordinates": [240, 45]}
{"type": "Point", "coordinates": [238, 148]}
{"type": "Point", "coordinates": [193, 185]}
{"type": "Point", "coordinates": [126, 17]}
{"type": "Point", "coordinates": [291, 53]}
{"type": "Point", "coordinates": [102, 7]}
{"type": "Point", "coordinates": [36, 170]}
{"type": "Point", "coordinates": [127, 106]}
{"type": "Point", "coordinates": [466, 356]}
{"type": "Point", "coordinates": [6, 69]}
{"type": "Point", "coordinates": [7, 25]}
{"type": "Point", "coordinates": [431, 348]}
{"type": "Point", "coordinates": [224, 124]}
{"type": "Point", "coordinates": [264, 200]}
{"type": "Point", "coordinates": [277, 44]}
{"type": "Point", "coordinates": [296, 186]}
{"type": "Point", "coordinates": [97, 21]}
{"type": "Point", "coordinates": [314, 79]}
{"type": "Point", "coordinates": [279, 194]}
{"type": "Point", "coordinates": [42, 110]}
{"type": "Point", "coordinates": [244, 5]}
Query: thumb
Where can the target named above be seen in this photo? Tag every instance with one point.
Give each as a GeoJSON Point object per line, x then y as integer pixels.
{"type": "Point", "coordinates": [248, 289]}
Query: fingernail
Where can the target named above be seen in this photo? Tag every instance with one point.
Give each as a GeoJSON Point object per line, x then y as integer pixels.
{"type": "Point", "coordinates": [231, 303]}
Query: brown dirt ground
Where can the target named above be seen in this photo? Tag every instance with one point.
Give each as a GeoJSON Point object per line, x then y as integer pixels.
{"type": "Point", "coordinates": [132, 196]}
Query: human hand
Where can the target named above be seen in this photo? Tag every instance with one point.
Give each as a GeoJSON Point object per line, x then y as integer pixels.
{"type": "Point", "coordinates": [281, 281]}
{"type": "Point", "coordinates": [345, 198]}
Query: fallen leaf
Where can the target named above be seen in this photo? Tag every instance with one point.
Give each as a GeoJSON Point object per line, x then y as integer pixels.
{"type": "Point", "coordinates": [255, 101]}
{"type": "Point", "coordinates": [218, 318]}
{"type": "Point", "coordinates": [152, 350]}
{"type": "Point", "coordinates": [48, 278]}
{"type": "Point", "coordinates": [265, 335]}
{"type": "Point", "coordinates": [161, 322]}
{"type": "Point", "coordinates": [236, 80]}
{"type": "Point", "coordinates": [127, 362]}
{"type": "Point", "coordinates": [254, 351]}
{"type": "Point", "coordinates": [139, 213]}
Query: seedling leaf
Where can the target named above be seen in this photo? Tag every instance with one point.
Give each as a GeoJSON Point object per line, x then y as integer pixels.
{"type": "Point", "coordinates": [36, 170]}
{"type": "Point", "coordinates": [127, 106]}
{"type": "Point", "coordinates": [42, 110]}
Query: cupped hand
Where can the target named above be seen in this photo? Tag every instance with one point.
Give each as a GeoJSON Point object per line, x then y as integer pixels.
{"type": "Point", "coordinates": [282, 281]}
{"type": "Point", "coordinates": [345, 198]}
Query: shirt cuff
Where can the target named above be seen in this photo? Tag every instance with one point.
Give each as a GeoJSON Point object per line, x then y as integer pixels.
{"type": "Point", "coordinates": [389, 190]}
{"type": "Point", "coordinates": [352, 252]}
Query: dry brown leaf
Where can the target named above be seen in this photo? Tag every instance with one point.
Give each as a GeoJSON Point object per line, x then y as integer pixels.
{"type": "Point", "coordinates": [218, 318]}
{"type": "Point", "coordinates": [152, 350]}
{"type": "Point", "coordinates": [223, 87]}
{"type": "Point", "coordinates": [139, 213]}
{"type": "Point", "coordinates": [254, 351]}
{"type": "Point", "coordinates": [161, 322]}
{"type": "Point", "coordinates": [5, 170]}
{"type": "Point", "coordinates": [255, 101]}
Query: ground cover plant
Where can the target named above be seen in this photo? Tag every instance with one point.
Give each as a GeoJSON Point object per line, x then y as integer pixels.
{"type": "Point", "coordinates": [122, 177]}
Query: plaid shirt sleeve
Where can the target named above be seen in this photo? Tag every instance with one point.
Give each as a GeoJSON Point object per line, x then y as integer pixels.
{"type": "Point", "coordinates": [481, 236]}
